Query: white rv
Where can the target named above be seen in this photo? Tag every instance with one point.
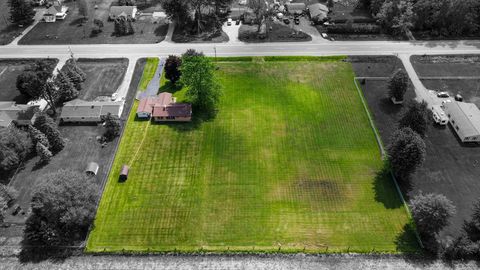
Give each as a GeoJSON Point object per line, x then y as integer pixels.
{"type": "Point", "coordinates": [439, 115]}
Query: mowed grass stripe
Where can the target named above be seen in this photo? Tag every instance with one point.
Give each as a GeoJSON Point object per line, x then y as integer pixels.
{"type": "Point", "coordinates": [290, 161]}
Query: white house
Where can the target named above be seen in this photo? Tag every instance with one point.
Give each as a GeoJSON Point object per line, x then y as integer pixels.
{"type": "Point", "coordinates": [118, 11]}
{"type": "Point", "coordinates": [465, 120]}
{"type": "Point", "coordinates": [57, 11]}
{"type": "Point", "coordinates": [79, 111]}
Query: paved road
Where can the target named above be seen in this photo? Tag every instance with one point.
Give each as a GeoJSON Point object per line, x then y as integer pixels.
{"type": "Point", "coordinates": [241, 49]}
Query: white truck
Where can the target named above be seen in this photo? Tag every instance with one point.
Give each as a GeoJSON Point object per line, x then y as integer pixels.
{"type": "Point", "coordinates": [439, 115]}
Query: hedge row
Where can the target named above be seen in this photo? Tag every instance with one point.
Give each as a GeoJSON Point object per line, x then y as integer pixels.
{"type": "Point", "coordinates": [354, 29]}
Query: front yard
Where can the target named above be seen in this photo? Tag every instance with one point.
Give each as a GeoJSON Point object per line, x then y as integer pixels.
{"type": "Point", "coordinates": [290, 164]}
{"type": "Point", "coordinates": [73, 31]}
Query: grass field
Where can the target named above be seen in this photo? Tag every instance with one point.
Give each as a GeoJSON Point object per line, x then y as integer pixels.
{"type": "Point", "coordinates": [289, 164]}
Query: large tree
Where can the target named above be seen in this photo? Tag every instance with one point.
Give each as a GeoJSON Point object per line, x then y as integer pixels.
{"type": "Point", "coordinates": [178, 11]}
{"type": "Point", "coordinates": [63, 207]}
{"type": "Point", "coordinates": [398, 85]}
{"type": "Point", "coordinates": [416, 118]}
{"type": "Point", "coordinates": [66, 88]}
{"type": "Point", "coordinates": [28, 83]}
{"type": "Point", "coordinates": [21, 12]}
{"type": "Point", "coordinates": [431, 213]}
{"type": "Point", "coordinates": [406, 152]}
{"type": "Point", "coordinates": [172, 68]}
{"type": "Point", "coordinates": [203, 90]}
{"type": "Point", "coordinates": [259, 8]}
{"type": "Point", "coordinates": [396, 16]}
{"type": "Point", "coordinates": [15, 145]}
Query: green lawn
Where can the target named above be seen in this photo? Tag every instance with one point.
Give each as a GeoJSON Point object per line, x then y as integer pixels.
{"type": "Point", "coordinates": [290, 163]}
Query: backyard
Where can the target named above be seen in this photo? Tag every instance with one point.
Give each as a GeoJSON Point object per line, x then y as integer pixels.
{"type": "Point", "coordinates": [289, 164]}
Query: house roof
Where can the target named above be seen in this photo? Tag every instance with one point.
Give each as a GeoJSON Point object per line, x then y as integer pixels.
{"type": "Point", "coordinates": [318, 10]}
{"type": "Point", "coordinates": [147, 104]}
{"type": "Point", "coordinates": [92, 167]}
{"type": "Point", "coordinates": [79, 108]}
{"type": "Point", "coordinates": [176, 110]}
{"type": "Point", "coordinates": [10, 112]}
{"type": "Point", "coordinates": [126, 10]}
{"type": "Point", "coordinates": [466, 116]}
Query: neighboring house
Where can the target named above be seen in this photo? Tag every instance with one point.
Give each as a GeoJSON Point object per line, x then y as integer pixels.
{"type": "Point", "coordinates": [465, 120]}
{"type": "Point", "coordinates": [57, 11]}
{"type": "Point", "coordinates": [18, 114]}
{"type": "Point", "coordinates": [125, 11]}
{"type": "Point", "coordinates": [296, 8]}
{"type": "Point", "coordinates": [163, 108]}
{"type": "Point", "coordinates": [79, 111]}
{"type": "Point", "coordinates": [318, 13]}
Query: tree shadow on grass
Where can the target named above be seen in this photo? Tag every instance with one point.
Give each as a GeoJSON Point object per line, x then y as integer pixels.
{"type": "Point", "coordinates": [385, 190]}
{"type": "Point", "coordinates": [169, 87]}
{"type": "Point", "coordinates": [407, 242]}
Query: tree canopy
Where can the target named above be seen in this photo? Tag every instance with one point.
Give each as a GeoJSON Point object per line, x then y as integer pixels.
{"type": "Point", "coordinates": [416, 118]}
{"type": "Point", "coordinates": [63, 207]}
{"type": "Point", "coordinates": [172, 69]}
{"type": "Point", "coordinates": [406, 152]}
{"type": "Point", "coordinates": [21, 12]}
{"type": "Point", "coordinates": [398, 84]}
{"type": "Point", "coordinates": [431, 213]}
{"type": "Point", "coordinates": [203, 90]}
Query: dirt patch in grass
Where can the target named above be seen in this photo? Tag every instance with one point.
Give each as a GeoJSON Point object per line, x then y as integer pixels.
{"type": "Point", "coordinates": [73, 30]}
{"type": "Point", "coordinates": [104, 76]}
{"type": "Point", "coordinates": [9, 71]}
{"type": "Point", "coordinates": [278, 32]}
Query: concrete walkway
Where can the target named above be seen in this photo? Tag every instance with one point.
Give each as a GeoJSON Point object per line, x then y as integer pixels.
{"type": "Point", "coordinates": [168, 37]}
{"type": "Point", "coordinates": [38, 18]}
{"type": "Point", "coordinates": [122, 90]}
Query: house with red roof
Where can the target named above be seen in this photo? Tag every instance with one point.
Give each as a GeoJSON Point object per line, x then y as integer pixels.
{"type": "Point", "coordinates": [164, 108]}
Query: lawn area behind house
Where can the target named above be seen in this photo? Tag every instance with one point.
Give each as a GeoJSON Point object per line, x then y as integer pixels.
{"type": "Point", "coordinates": [289, 164]}
{"type": "Point", "coordinates": [73, 31]}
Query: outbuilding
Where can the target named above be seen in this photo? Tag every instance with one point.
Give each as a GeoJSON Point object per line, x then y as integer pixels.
{"type": "Point", "coordinates": [465, 120]}
{"type": "Point", "coordinates": [124, 173]}
{"type": "Point", "coordinates": [92, 169]}
{"type": "Point", "coordinates": [79, 111]}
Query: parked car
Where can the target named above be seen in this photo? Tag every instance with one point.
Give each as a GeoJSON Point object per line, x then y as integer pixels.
{"type": "Point", "coordinates": [229, 22]}
{"type": "Point", "coordinates": [459, 97]}
{"type": "Point", "coordinates": [286, 21]}
{"type": "Point", "coordinates": [443, 95]}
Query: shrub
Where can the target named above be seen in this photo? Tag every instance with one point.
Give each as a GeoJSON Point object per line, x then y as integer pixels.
{"type": "Point", "coordinates": [358, 29]}
{"type": "Point", "coordinates": [44, 154]}
{"type": "Point", "coordinates": [112, 127]}
{"type": "Point", "coordinates": [172, 68]}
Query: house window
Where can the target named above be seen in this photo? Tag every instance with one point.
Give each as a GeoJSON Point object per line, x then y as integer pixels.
{"type": "Point", "coordinates": [171, 117]}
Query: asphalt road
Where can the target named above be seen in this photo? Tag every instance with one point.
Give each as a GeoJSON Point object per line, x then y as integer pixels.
{"type": "Point", "coordinates": [242, 49]}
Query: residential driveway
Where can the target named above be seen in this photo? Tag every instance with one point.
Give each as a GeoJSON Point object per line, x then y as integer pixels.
{"type": "Point", "coordinates": [232, 32]}
{"type": "Point", "coordinates": [306, 26]}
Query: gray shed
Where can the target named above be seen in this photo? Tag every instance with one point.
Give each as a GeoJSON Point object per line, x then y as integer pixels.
{"type": "Point", "coordinates": [92, 169]}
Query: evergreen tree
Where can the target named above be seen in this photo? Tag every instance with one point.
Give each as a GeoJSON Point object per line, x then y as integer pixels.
{"type": "Point", "coordinates": [44, 154]}
{"type": "Point", "coordinates": [48, 127]}
{"type": "Point", "coordinates": [21, 12]}
{"type": "Point", "coordinates": [74, 77]}
{"type": "Point", "coordinates": [398, 85]}
{"type": "Point", "coordinates": [66, 88]}
{"type": "Point", "coordinates": [37, 136]}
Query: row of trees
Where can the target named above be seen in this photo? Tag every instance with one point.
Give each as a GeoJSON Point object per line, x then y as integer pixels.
{"type": "Point", "coordinates": [36, 83]}
{"type": "Point", "coordinates": [440, 18]}
{"type": "Point", "coordinates": [196, 72]}
{"type": "Point", "coordinates": [201, 15]}
{"type": "Point", "coordinates": [43, 139]}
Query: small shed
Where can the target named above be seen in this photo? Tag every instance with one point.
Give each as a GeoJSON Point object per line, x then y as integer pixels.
{"type": "Point", "coordinates": [124, 173]}
{"type": "Point", "coordinates": [92, 169]}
